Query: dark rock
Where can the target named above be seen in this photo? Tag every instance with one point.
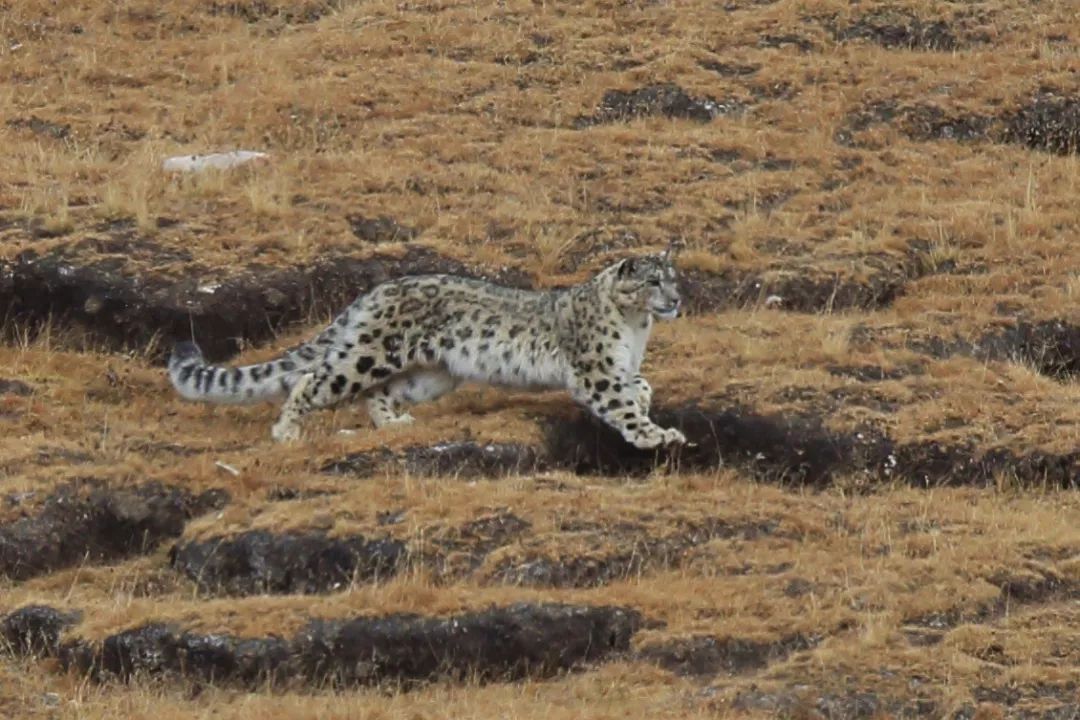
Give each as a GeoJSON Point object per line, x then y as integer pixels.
{"type": "Point", "coordinates": [668, 100]}
{"type": "Point", "coordinates": [259, 562]}
{"type": "Point", "coordinates": [35, 629]}
{"type": "Point", "coordinates": [503, 643]}
{"type": "Point", "coordinates": [704, 655]}
{"type": "Point", "coordinates": [105, 524]}
{"type": "Point", "coordinates": [380, 230]}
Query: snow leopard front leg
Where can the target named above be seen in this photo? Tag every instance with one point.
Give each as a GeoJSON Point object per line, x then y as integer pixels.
{"type": "Point", "coordinates": [644, 393]}
{"type": "Point", "coordinates": [614, 398]}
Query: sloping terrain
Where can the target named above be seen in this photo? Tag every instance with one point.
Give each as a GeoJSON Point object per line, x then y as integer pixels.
{"type": "Point", "coordinates": [878, 363]}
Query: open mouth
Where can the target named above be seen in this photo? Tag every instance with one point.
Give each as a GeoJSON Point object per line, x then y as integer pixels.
{"type": "Point", "coordinates": [667, 312]}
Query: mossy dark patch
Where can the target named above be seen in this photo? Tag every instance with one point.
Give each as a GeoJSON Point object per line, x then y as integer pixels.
{"type": "Point", "coordinates": [454, 459]}
{"type": "Point", "coordinates": [34, 630]}
{"type": "Point", "coordinates": [15, 387]}
{"type": "Point", "coordinates": [97, 525]}
{"type": "Point", "coordinates": [382, 229]}
{"type": "Point", "coordinates": [1050, 347]}
{"type": "Point", "coordinates": [38, 126]}
{"type": "Point", "coordinates": [705, 655]}
{"type": "Point", "coordinates": [667, 100]}
{"type": "Point", "coordinates": [899, 29]}
{"type": "Point", "coordinates": [1048, 121]}
{"type": "Point", "coordinates": [256, 10]}
{"type": "Point", "coordinates": [259, 562]}
{"type": "Point", "coordinates": [123, 310]}
{"type": "Point", "coordinates": [1032, 585]}
{"type": "Point", "coordinates": [501, 644]}
{"type": "Point", "coordinates": [712, 292]}
{"type": "Point", "coordinates": [799, 450]}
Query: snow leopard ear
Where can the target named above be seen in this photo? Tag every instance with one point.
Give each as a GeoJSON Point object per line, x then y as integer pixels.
{"type": "Point", "coordinates": [626, 268]}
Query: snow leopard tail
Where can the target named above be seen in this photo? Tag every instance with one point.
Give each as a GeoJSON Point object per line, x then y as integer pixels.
{"type": "Point", "coordinates": [271, 381]}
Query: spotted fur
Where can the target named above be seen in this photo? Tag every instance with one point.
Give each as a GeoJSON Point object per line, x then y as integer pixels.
{"type": "Point", "coordinates": [416, 338]}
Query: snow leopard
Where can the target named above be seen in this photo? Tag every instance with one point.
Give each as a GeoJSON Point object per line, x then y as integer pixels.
{"type": "Point", "coordinates": [418, 337]}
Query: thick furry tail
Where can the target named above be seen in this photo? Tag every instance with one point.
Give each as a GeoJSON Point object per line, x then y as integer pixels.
{"type": "Point", "coordinates": [247, 385]}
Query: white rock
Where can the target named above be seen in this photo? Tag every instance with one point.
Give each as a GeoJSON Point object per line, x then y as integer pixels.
{"type": "Point", "coordinates": [218, 161]}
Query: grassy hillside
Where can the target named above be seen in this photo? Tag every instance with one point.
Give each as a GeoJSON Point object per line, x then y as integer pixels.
{"type": "Point", "coordinates": [878, 360]}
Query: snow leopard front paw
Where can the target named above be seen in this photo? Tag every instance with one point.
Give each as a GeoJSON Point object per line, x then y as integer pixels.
{"type": "Point", "coordinates": [285, 432]}
{"type": "Point", "coordinates": [657, 437]}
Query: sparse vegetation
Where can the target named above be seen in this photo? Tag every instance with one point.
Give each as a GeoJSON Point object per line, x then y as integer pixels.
{"type": "Point", "coordinates": [879, 363]}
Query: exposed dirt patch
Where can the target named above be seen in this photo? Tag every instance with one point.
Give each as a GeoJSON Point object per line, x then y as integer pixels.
{"type": "Point", "coordinates": [500, 644]}
{"type": "Point", "coordinates": [874, 373]}
{"type": "Point", "coordinates": [464, 459]}
{"type": "Point", "coordinates": [259, 562]}
{"type": "Point", "coordinates": [35, 630]}
{"type": "Point", "coordinates": [726, 69]}
{"type": "Point", "coordinates": [668, 100]}
{"type": "Point", "coordinates": [83, 523]}
{"type": "Point", "coordinates": [782, 41]}
{"type": "Point", "coordinates": [850, 705]}
{"type": "Point", "coordinates": [15, 387]}
{"type": "Point", "coordinates": [1031, 584]}
{"type": "Point", "coordinates": [903, 29]}
{"type": "Point", "coordinates": [1048, 121]}
{"type": "Point", "coordinates": [1050, 347]}
{"type": "Point", "coordinates": [256, 10]}
{"type": "Point", "coordinates": [38, 126]}
{"type": "Point", "coordinates": [712, 292]}
{"type": "Point", "coordinates": [789, 450]}
{"type": "Point", "coordinates": [800, 451]}
{"type": "Point", "coordinates": [917, 121]}
{"type": "Point", "coordinates": [457, 552]}
{"type": "Point", "coordinates": [705, 655]}
{"type": "Point", "coordinates": [123, 310]}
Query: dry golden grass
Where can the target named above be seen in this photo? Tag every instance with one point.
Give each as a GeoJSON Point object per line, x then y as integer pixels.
{"type": "Point", "coordinates": [457, 119]}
